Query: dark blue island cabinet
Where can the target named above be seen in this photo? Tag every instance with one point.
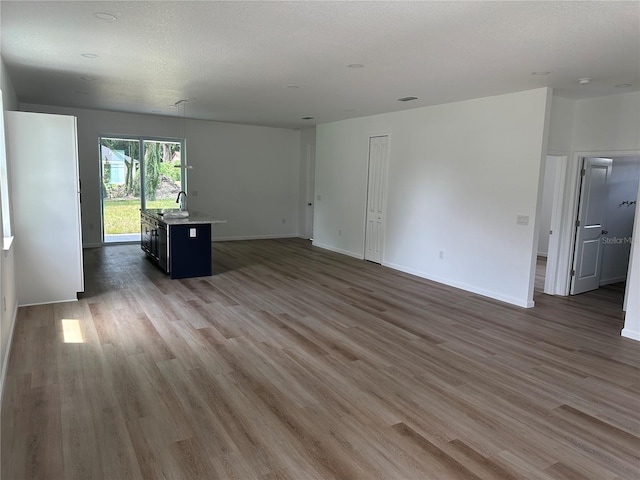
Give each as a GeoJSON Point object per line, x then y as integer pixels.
{"type": "Point", "coordinates": [190, 250]}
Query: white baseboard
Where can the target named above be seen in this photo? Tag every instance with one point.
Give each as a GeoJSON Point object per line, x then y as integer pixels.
{"type": "Point", "coordinates": [5, 360]}
{"type": "Point", "coordinates": [609, 281]}
{"type": "Point", "coordinates": [73, 299]}
{"type": "Point", "coordinates": [338, 250]}
{"type": "Point", "coordinates": [463, 286]}
{"type": "Point", "coordinates": [632, 334]}
{"type": "Point", "coordinates": [254, 237]}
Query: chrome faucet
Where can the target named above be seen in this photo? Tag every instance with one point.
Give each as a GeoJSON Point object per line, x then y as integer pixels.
{"type": "Point", "coordinates": [182, 200]}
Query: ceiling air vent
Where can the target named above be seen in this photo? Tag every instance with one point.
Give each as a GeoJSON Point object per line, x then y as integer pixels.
{"type": "Point", "coordinates": [407, 99]}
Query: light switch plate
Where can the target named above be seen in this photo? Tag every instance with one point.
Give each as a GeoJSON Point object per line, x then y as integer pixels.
{"type": "Point", "coordinates": [192, 232]}
{"type": "Point", "coordinates": [522, 220]}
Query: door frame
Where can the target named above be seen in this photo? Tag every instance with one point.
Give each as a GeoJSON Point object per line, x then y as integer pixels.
{"type": "Point", "coordinates": [571, 194]}
{"type": "Point", "coordinates": [551, 273]}
{"type": "Point", "coordinates": [588, 166]}
{"type": "Point", "coordinates": [140, 139]}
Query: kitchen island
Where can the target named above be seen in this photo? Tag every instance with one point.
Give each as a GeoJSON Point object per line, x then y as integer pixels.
{"type": "Point", "coordinates": [180, 246]}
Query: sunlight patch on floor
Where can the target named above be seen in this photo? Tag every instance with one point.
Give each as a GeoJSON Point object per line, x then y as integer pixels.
{"type": "Point", "coordinates": [71, 331]}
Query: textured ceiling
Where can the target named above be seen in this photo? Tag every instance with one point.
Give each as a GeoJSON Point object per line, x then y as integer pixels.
{"type": "Point", "coordinates": [237, 61]}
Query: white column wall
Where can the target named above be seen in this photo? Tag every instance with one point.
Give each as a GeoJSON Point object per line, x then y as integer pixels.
{"type": "Point", "coordinates": [9, 300]}
{"type": "Point", "coordinates": [632, 317]}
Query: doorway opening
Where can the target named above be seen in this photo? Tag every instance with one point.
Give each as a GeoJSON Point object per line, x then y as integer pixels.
{"type": "Point", "coordinates": [137, 173]}
{"type": "Point", "coordinates": [604, 222]}
{"type": "Point", "coordinates": [553, 271]}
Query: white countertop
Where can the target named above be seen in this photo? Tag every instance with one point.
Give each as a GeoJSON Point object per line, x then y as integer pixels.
{"type": "Point", "coordinates": [192, 219]}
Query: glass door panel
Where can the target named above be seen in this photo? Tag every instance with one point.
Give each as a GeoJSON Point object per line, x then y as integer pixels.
{"type": "Point", "coordinates": [120, 173]}
{"type": "Point", "coordinates": [162, 173]}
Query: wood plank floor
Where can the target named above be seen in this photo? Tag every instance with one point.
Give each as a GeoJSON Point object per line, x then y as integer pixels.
{"type": "Point", "coordinates": [297, 363]}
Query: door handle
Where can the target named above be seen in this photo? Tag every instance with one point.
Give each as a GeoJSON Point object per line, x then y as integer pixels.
{"type": "Point", "coordinates": [309, 203]}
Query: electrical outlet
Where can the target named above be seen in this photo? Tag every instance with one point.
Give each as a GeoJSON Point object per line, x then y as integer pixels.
{"type": "Point", "coordinates": [339, 233]}
{"type": "Point", "coordinates": [284, 221]}
{"type": "Point", "coordinates": [319, 197]}
{"type": "Point", "coordinates": [441, 255]}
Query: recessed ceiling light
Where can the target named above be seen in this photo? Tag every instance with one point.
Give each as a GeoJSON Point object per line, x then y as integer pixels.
{"type": "Point", "coordinates": [584, 81]}
{"type": "Point", "coordinates": [545, 72]}
{"type": "Point", "coordinates": [292, 85]}
{"type": "Point", "coordinates": [107, 17]}
{"type": "Point", "coordinates": [307, 118]}
{"type": "Point", "coordinates": [355, 65]}
{"type": "Point", "coordinates": [407, 99]}
{"type": "Point", "coordinates": [623, 85]}
{"type": "Point", "coordinates": [89, 55]}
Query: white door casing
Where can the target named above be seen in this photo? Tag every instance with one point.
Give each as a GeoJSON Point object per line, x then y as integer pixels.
{"type": "Point", "coordinates": [590, 224]}
{"type": "Point", "coordinates": [551, 274]}
{"type": "Point", "coordinates": [376, 186]}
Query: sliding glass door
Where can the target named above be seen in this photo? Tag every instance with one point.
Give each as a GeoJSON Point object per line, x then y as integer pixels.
{"type": "Point", "coordinates": [137, 173]}
{"type": "Point", "coordinates": [162, 173]}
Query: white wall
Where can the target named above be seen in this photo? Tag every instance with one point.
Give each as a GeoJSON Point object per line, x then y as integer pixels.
{"type": "Point", "coordinates": [459, 175]}
{"type": "Point", "coordinates": [9, 302]}
{"type": "Point", "coordinates": [607, 123]}
{"type": "Point", "coordinates": [561, 124]}
{"type": "Point", "coordinates": [622, 187]}
{"type": "Point", "coordinates": [245, 174]}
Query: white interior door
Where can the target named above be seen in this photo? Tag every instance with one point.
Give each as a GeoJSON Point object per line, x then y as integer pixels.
{"type": "Point", "coordinates": [374, 233]}
{"type": "Point", "coordinates": [590, 225]}
{"type": "Point", "coordinates": [311, 170]}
